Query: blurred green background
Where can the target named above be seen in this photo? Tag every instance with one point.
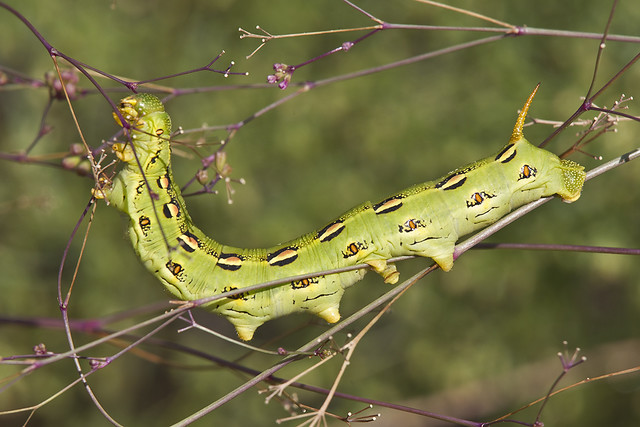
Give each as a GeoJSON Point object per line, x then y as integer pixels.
{"type": "Point", "coordinates": [474, 343]}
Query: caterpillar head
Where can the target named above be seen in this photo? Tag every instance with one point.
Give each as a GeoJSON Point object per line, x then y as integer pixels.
{"type": "Point", "coordinates": [150, 126]}
{"type": "Point", "coordinates": [145, 112]}
{"type": "Point", "coordinates": [133, 108]}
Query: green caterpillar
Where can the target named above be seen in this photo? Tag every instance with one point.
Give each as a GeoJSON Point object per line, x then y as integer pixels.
{"type": "Point", "coordinates": [425, 220]}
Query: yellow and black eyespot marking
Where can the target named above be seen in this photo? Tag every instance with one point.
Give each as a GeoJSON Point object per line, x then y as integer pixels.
{"type": "Point", "coordinates": [411, 225]}
{"type": "Point", "coordinates": [507, 154]}
{"type": "Point", "coordinates": [353, 248]}
{"type": "Point", "coordinates": [478, 198]}
{"type": "Point", "coordinates": [452, 181]}
{"type": "Point", "coordinates": [283, 256]}
{"type": "Point", "coordinates": [388, 205]}
{"type": "Point", "coordinates": [304, 283]}
{"type": "Point", "coordinates": [527, 172]}
{"type": "Point", "coordinates": [189, 242]}
{"type": "Point", "coordinates": [331, 231]}
{"type": "Point", "coordinates": [175, 269]}
{"type": "Point", "coordinates": [145, 224]}
{"type": "Point", "coordinates": [163, 182]}
{"type": "Point", "coordinates": [171, 209]}
{"type": "Point", "coordinates": [230, 262]}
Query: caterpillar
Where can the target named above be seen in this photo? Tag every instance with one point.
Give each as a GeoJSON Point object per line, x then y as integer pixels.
{"type": "Point", "coordinates": [425, 220]}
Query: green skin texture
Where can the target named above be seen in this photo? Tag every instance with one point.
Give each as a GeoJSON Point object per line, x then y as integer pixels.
{"type": "Point", "coordinates": [424, 220]}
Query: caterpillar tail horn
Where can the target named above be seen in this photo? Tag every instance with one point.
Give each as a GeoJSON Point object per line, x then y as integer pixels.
{"type": "Point", "coordinates": [517, 133]}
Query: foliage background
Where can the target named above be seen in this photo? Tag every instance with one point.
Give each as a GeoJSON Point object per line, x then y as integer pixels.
{"type": "Point", "coordinates": [494, 323]}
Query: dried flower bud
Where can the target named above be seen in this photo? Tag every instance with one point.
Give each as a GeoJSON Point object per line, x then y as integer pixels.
{"type": "Point", "coordinates": [71, 162]}
{"type": "Point", "coordinates": [77, 149]}
{"type": "Point", "coordinates": [202, 176]}
{"type": "Point", "coordinates": [40, 349]}
{"type": "Point", "coordinates": [84, 168]}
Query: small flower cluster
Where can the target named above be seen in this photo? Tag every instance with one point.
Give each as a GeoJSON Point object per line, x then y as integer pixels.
{"type": "Point", "coordinates": [282, 75]}
{"type": "Point", "coordinates": [69, 79]}
{"type": "Point", "coordinates": [77, 160]}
